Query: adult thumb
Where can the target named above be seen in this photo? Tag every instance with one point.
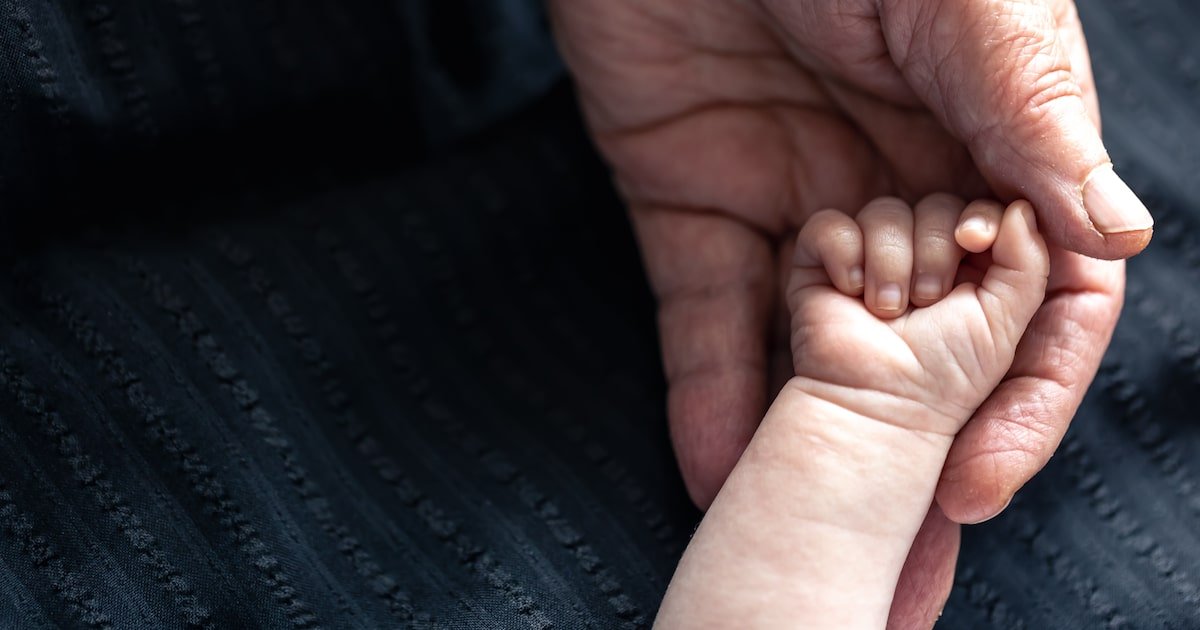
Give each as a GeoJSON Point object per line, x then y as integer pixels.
{"type": "Point", "coordinates": [1004, 76]}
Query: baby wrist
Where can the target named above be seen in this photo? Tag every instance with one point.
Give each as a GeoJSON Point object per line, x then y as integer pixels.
{"type": "Point", "coordinates": [936, 423]}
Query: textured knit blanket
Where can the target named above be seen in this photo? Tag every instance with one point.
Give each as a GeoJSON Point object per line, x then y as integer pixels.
{"type": "Point", "coordinates": [319, 317]}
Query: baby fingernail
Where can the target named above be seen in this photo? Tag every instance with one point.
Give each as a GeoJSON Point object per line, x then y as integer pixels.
{"type": "Point", "coordinates": [856, 277]}
{"type": "Point", "coordinates": [888, 297]}
{"type": "Point", "coordinates": [928, 286]}
{"type": "Point", "coordinates": [975, 224]}
{"type": "Point", "coordinates": [1113, 207]}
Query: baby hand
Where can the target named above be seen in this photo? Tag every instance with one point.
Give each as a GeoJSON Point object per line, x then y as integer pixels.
{"type": "Point", "coordinates": [925, 367]}
{"type": "Point", "coordinates": [814, 523]}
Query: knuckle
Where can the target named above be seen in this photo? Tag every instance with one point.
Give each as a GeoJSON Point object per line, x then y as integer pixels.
{"type": "Point", "coordinates": [885, 210]}
{"type": "Point", "coordinates": [824, 221]}
{"type": "Point", "coordinates": [987, 212]}
{"type": "Point", "coordinates": [810, 344]}
{"type": "Point", "coordinates": [833, 234]}
{"type": "Point", "coordinates": [890, 256]}
{"type": "Point", "coordinates": [825, 214]}
{"type": "Point", "coordinates": [932, 234]}
{"type": "Point", "coordinates": [1050, 85]}
{"type": "Point", "coordinates": [1030, 74]}
{"type": "Point", "coordinates": [843, 238]}
{"type": "Point", "coordinates": [937, 247]}
{"type": "Point", "coordinates": [1042, 77]}
{"type": "Point", "coordinates": [942, 201]}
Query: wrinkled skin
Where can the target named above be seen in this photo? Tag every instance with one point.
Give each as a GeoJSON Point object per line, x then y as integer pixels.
{"type": "Point", "coordinates": [728, 122]}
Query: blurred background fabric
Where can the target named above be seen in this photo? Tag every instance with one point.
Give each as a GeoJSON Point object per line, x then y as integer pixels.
{"type": "Point", "coordinates": [325, 314]}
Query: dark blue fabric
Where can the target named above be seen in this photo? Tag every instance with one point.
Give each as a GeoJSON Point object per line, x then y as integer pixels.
{"type": "Point", "coordinates": [109, 106]}
{"type": "Point", "coordinates": [324, 314]}
{"type": "Point", "coordinates": [348, 409]}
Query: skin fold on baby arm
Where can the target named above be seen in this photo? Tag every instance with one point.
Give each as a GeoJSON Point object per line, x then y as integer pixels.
{"type": "Point", "coordinates": [812, 527]}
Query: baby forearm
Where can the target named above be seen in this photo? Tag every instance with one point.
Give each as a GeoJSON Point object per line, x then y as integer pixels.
{"type": "Point", "coordinates": [821, 492]}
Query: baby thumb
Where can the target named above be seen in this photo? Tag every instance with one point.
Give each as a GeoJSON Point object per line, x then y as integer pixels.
{"type": "Point", "coordinates": [1014, 286]}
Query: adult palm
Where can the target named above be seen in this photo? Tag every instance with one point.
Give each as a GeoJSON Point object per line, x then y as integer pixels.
{"type": "Point", "coordinates": [728, 122]}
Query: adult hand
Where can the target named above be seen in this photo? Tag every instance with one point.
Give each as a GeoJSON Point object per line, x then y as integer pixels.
{"type": "Point", "coordinates": [728, 122]}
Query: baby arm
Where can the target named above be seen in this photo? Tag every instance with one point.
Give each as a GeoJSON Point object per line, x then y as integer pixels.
{"type": "Point", "coordinates": [813, 526]}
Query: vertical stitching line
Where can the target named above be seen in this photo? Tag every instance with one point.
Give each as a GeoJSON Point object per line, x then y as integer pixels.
{"type": "Point", "coordinates": [92, 475]}
{"type": "Point", "coordinates": [65, 583]}
{"type": "Point", "coordinates": [206, 345]}
{"type": "Point", "coordinates": [380, 582]}
{"type": "Point", "coordinates": [161, 430]}
{"type": "Point", "coordinates": [426, 241]}
{"type": "Point", "coordinates": [102, 21]}
{"type": "Point", "coordinates": [495, 462]}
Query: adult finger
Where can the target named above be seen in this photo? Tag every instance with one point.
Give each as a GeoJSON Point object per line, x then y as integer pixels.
{"type": "Point", "coordinates": [999, 76]}
{"type": "Point", "coordinates": [928, 574]}
{"type": "Point", "coordinates": [713, 278]}
{"type": "Point", "coordinates": [1070, 32]}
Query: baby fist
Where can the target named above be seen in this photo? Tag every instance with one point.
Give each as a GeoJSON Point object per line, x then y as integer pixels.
{"type": "Point", "coordinates": [928, 365]}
